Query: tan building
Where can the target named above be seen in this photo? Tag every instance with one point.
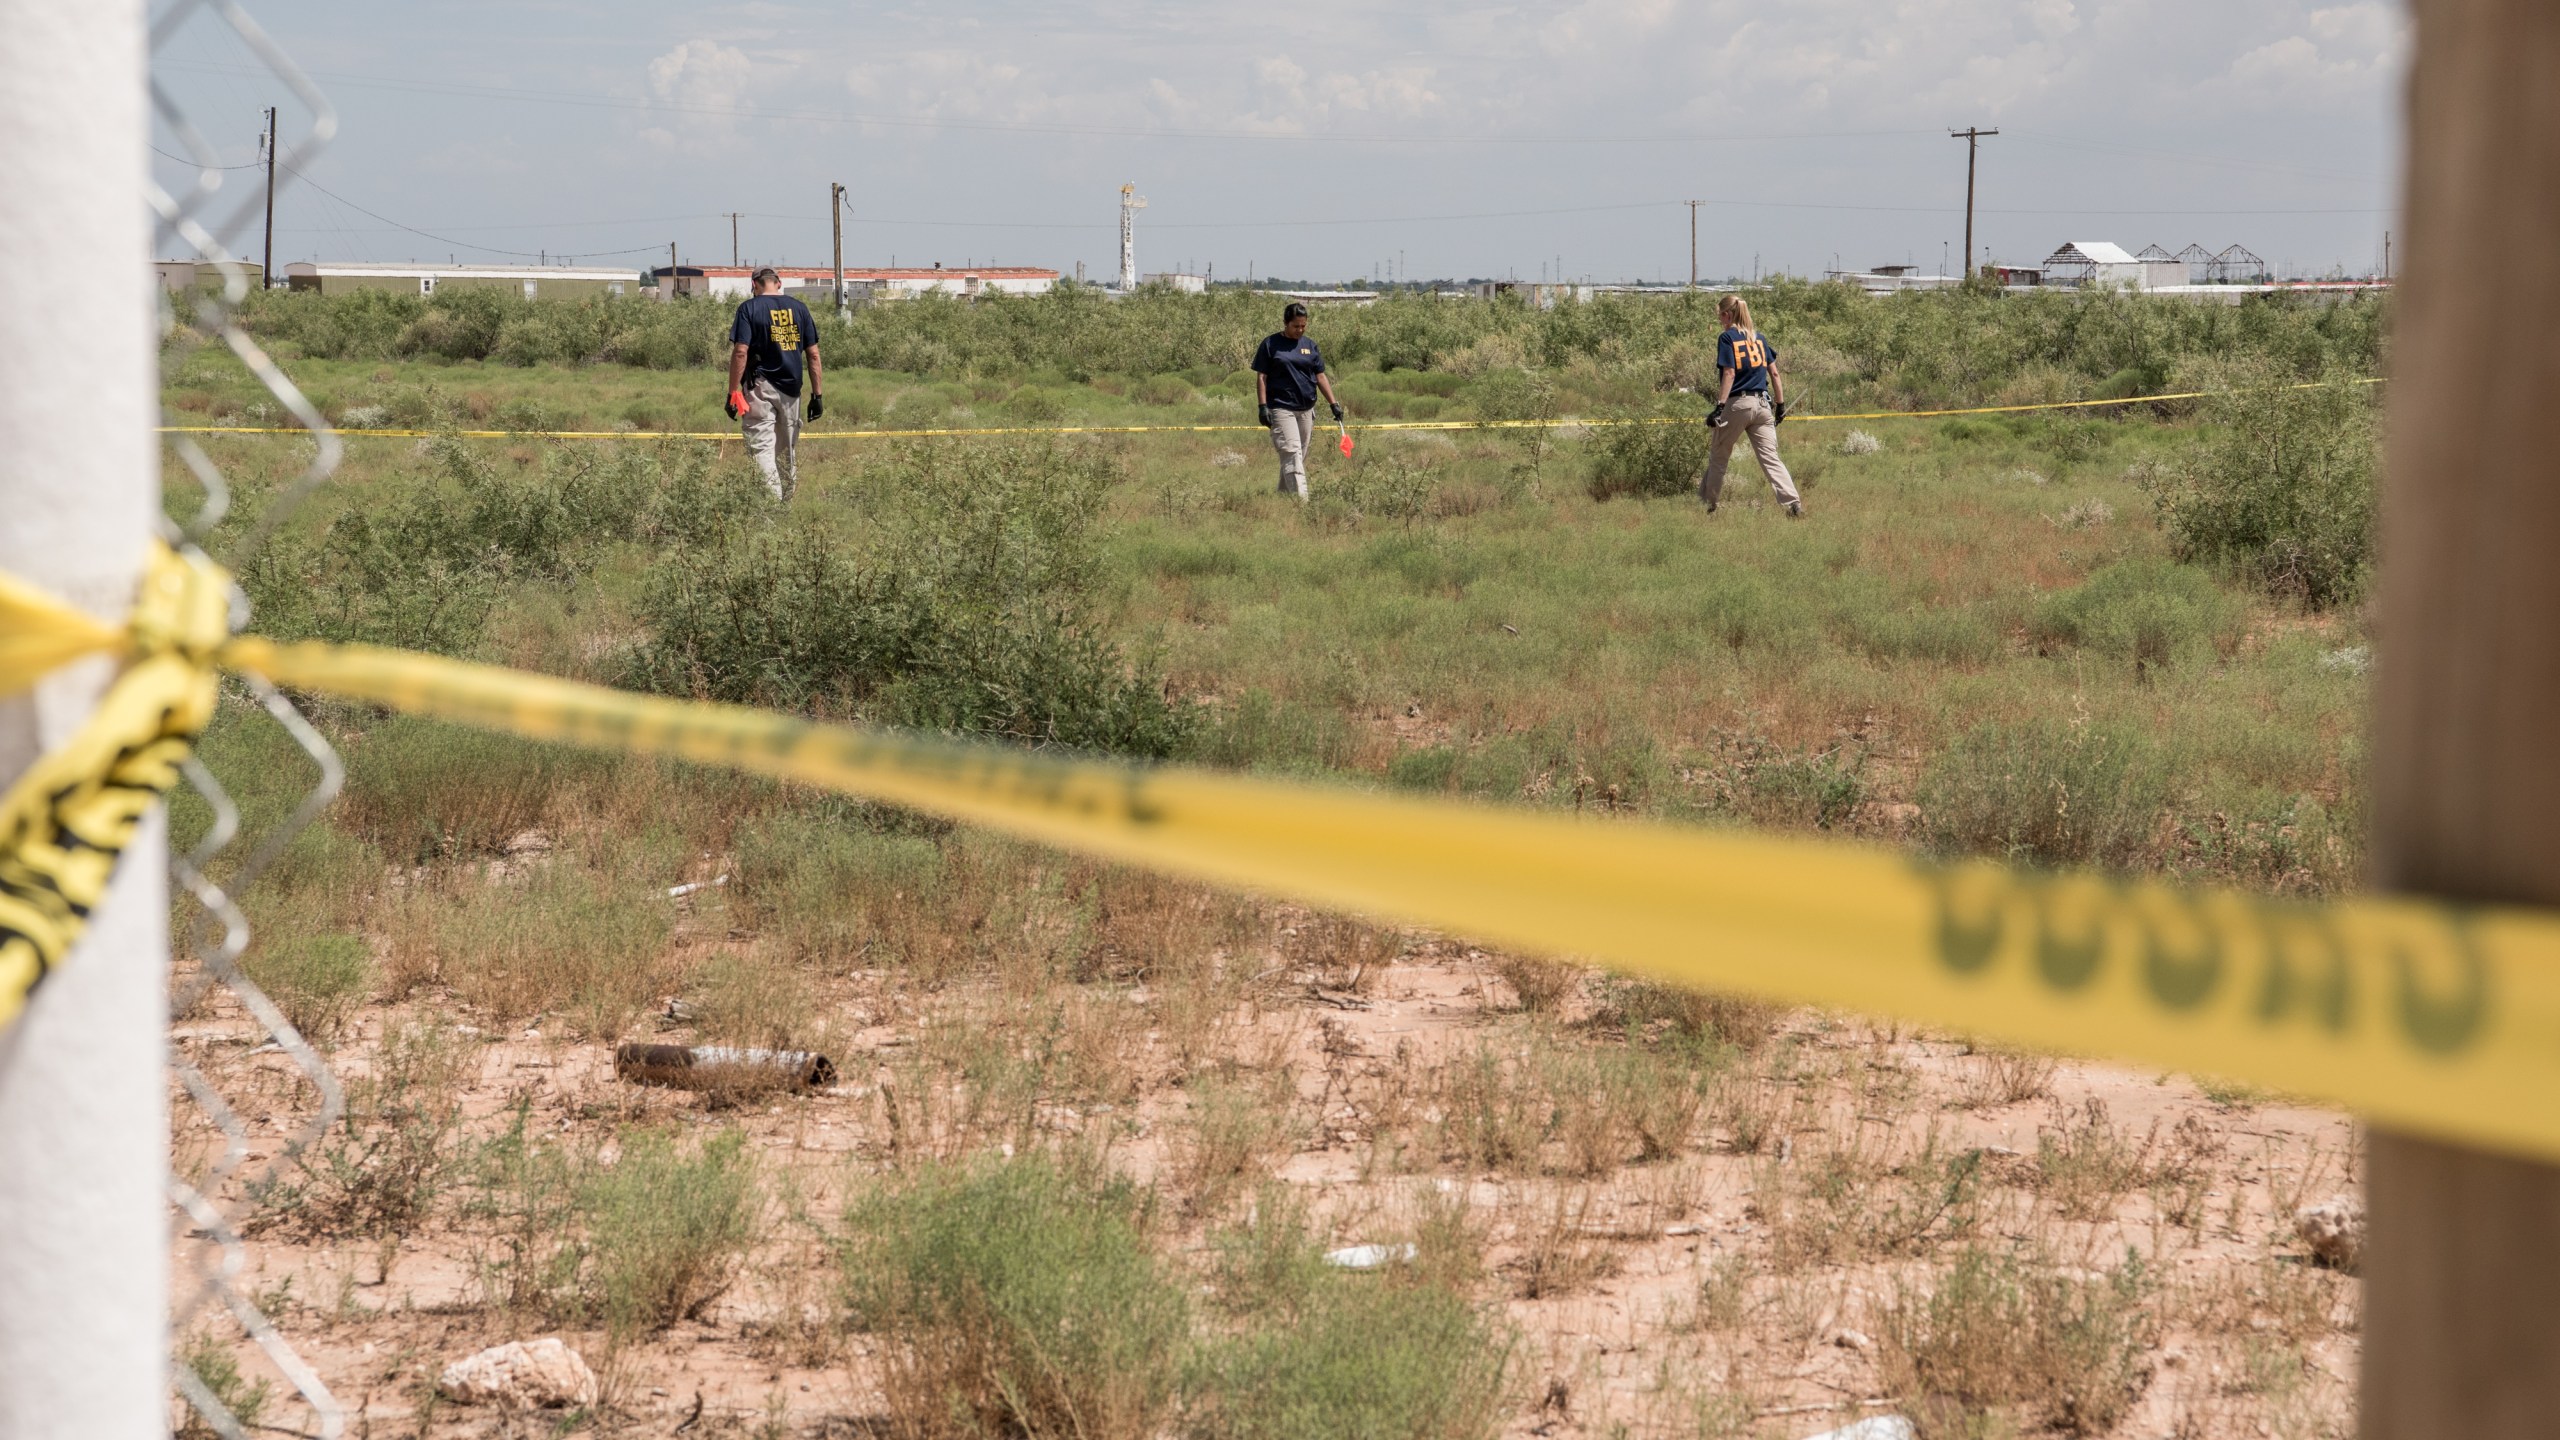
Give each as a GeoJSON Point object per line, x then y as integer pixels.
{"type": "Point", "coordinates": [530, 281]}
{"type": "Point", "coordinates": [198, 274]}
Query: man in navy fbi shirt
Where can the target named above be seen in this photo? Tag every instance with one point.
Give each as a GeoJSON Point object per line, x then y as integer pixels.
{"type": "Point", "coordinates": [1288, 374]}
{"type": "Point", "coordinates": [772, 342]}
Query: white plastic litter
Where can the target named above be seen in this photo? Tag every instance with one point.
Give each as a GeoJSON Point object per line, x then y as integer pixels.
{"type": "Point", "coordinates": [677, 892]}
{"type": "Point", "coordinates": [1368, 1257]}
{"type": "Point", "coordinates": [1874, 1427]}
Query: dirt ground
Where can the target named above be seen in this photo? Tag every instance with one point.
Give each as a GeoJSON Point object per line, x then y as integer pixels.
{"type": "Point", "coordinates": [1737, 1283]}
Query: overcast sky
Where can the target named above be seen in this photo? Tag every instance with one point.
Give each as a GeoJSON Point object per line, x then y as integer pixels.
{"type": "Point", "coordinates": [1324, 139]}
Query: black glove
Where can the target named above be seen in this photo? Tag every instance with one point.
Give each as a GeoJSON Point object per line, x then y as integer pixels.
{"type": "Point", "coordinates": [1264, 415]}
{"type": "Point", "coordinates": [818, 406]}
{"type": "Point", "coordinates": [1337, 412]}
{"type": "Point", "coordinates": [1716, 416]}
{"type": "Point", "coordinates": [1779, 412]}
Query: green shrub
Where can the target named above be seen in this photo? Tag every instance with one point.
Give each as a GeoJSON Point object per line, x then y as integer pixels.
{"type": "Point", "coordinates": [2047, 793]}
{"type": "Point", "coordinates": [819, 885]}
{"type": "Point", "coordinates": [563, 940]}
{"type": "Point", "coordinates": [418, 789]}
{"type": "Point", "coordinates": [2285, 488]}
{"type": "Point", "coordinates": [1661, 451]}
{"type": "Point", "coordinates": [972, 611]}
{"type": "Point", "coordinates": [2148, 609]}
{"type": "Point", "coordinates": [1365, 1358]}
{"type": "Point", "coordinates": [1016, 1298]}
{"type": "Point", "coordinates": [210, 1360]}
{"type": "Point", "coordinates": [315, 978]}
{"type": "Point", "coordinates": [1164, 390]}
{"type": "Point", "coordinates": [667, 1227]}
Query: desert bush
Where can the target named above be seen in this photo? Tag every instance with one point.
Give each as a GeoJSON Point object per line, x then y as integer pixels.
{"type": "Point", "coordinates": [827, 889]}
{"type": "Point", "coordinates": [209, 1357]}
{"type": "Point", "coordinates": [2046, 792]}
{"type": "Point", "coordinates": [399, 1149]}
{"type": "Point", "coordinates": [316, 978]}
{"type": "Point", "coordinates": [972, 611]}
{"type": "Point", "coordinates": [1661, 449]}
{"type": "Point", "coordinates": [2284, 490]}
{"type": "Point", "coordinates": [563, 940]}
{"type": "Point", "coordinates": [1362, 1358]}
{"type": "Point", "coordinates": [420, 564]}
{"type": "Point", "coordinates": [667, 1225]}
{"type": "Point", "coordinates": [2148, 610]}
{"type": "Point", "coordinates": [1019, 1298]}
{"type": "Point", "coordinates": [2004, 1332]}
{"type": "Point", "coordinates": [421, 789]}
{"type": "Point", "coordinates": [1948, 347]}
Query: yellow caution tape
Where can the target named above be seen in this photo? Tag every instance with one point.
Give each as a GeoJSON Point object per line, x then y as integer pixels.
{"type": "Point", "coordinates": [1552, 424]}
{"type": "Point", "coordinates": [2435, 1018]}
{"type": "Point", "coordinates": [64, 822]}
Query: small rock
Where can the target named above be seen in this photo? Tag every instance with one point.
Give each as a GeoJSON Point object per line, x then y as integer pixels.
{"type": "Point", "coordinates": [1853, 1340]}
{"type": "Point", "coordinates": [2334, 1229]}
{"type": "Point", "coordinates": [545, 1375]}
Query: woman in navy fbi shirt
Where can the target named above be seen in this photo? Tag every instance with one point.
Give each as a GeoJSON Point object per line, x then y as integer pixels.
{"type": "Point", "coordinates": [1288, 374]}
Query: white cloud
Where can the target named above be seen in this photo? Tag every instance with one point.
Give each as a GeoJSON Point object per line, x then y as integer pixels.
{"type": "Point", "coordinates": [709, 80]}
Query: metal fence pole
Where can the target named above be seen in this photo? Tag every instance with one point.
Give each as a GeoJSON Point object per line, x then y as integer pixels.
{"type": "Point", "coordinates": [83, 1075]}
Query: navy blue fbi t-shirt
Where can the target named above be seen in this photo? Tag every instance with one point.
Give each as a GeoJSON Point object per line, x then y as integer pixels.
{"type": "Point", "coordinates": [1748, 357]}
{"type": "Point", "coordinates": [778, 333]}
{"type": "Point", "coordinates": [1289, 369]}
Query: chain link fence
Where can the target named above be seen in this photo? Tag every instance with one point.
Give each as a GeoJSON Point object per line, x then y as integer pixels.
{"type": "Point", "coordinates": [205, 221]}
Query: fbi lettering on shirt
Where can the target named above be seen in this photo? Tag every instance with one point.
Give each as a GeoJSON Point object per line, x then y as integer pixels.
{"type": "Point", "coordinates": [786, 330]}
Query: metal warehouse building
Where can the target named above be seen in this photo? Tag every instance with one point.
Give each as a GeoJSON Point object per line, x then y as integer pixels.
{"type": "Point", "coordinates": [530, 281]}
{"type": "Point", "coordinates": [968, 282]}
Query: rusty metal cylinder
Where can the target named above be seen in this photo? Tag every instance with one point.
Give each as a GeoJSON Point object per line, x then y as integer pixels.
{"type": "Point", "coordinates": [721, 1067]}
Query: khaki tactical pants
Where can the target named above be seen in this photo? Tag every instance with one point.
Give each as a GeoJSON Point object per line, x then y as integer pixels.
{"type": "Point", "coordinates": [1292, 432]}
{"type": "Point", "coordinates": [1747, 414]}
{"type": "Point", "coordinates": [772, 425]}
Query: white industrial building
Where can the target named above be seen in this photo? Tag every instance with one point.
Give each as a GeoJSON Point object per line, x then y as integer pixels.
{"type": "Point", "coordinates": [2105, 263]}
{"type": "Point", "coordinates": [871, 282]}
{"type": "Point", "coordinates": [337, 277]}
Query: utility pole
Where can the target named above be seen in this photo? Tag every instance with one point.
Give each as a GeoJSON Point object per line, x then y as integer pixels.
{"type": "Point", "coordinates": [1693, 242]}
{"type": "Point", "coordinates": [1130, 205]}
{"type": "Point", "coordinates": [267, 258]}
{"type": "Point", "coordinates": [2461, 1255]}
{"type": "Point", "coordinates": [84, 1115]}
{"type": "Point", "coordinates": [670, 289]}
{"type": "Point", "coordinates": [733, 237]}
{"type": "Point", "coordinates": [835, 216]}
{"type": "Point", "coordinates": [1971, 135]}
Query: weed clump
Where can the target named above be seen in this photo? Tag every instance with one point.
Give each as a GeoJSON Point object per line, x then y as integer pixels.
{"type": "Point", "coordinates": [1019, 1298]}
{"type": "Point", "coordinates": [2153, 612]}
{"type": "Point", "coordinates": [2048, 793]}
{"type": "Point", "coordinates": [2002, 1333]}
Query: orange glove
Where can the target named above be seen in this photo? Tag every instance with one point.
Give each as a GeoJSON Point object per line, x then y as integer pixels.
{"type": "Point", "coordinates": [737, 404]}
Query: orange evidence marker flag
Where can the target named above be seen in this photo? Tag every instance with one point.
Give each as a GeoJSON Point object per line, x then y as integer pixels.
{"type": "Point", "coordinates": [1346, 442]}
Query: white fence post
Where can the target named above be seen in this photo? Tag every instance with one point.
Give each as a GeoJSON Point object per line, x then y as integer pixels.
{"type": "Point", "coordinates": [84, 1231]}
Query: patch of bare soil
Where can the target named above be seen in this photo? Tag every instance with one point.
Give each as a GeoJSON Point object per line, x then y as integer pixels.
{"type": "Point", "coordinates": [1727, 1223]}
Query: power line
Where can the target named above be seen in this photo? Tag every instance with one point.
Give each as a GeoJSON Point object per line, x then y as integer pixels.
{"type": "Point", "coordinates": [200, 165]}
{"type": "Point", "coordinates": [447, 239]}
